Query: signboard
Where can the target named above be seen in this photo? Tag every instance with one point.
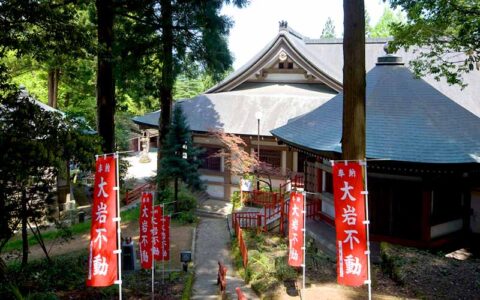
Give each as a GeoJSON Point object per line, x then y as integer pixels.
{"type": "Point", "coordinates": [157, 214]}
{"type": "Point", "coordinates": [164, 229]}
{"type": "Point", "coordinates": [351, 241]}
{"type": "Point", "coordinates": [295, 229]}
{"type": "Point", "coordinates": [146, 230]}
{"type": "Point", "coordinates": [102, 262]}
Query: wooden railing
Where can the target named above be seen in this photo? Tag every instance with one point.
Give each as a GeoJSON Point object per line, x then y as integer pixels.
{"type": "Point", "coordinates": [136, 193]}
{"type": "Point", "coordinates": [242, 245]}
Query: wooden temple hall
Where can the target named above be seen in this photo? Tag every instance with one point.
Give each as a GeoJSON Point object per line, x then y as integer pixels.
{"type": "Point", "coordinates": [423, 136]}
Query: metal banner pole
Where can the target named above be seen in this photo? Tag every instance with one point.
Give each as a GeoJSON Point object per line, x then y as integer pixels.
{"type": "Point", "coordinates": [304, 241]}
{"type": "Point", "coordinates": [151, 244]}
{"type": "Point", "coordinates": [119, 229]}
{"type": "Point", "coordinates": [161, 253]}
{"type": "Point", "coordinates": [367, 224]}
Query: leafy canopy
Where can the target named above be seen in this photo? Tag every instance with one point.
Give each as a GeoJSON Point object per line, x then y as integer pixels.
{"type": "Point", "coordinates": [446, 34]}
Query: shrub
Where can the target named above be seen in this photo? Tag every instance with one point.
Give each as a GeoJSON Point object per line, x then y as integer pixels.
{"type": "Point", "coordinates": [236, 200]}
{"type": "Point", "coordinates": [283, 270]}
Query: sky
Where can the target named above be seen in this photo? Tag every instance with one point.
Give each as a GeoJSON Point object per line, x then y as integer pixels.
{"type": "Point", "coordinates": [257, 24]}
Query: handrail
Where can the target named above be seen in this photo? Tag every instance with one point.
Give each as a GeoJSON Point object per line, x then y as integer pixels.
{"type": "Point", "coordinates": [135, 193]}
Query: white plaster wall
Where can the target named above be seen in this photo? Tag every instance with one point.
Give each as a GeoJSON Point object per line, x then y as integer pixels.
{"type": "Point", "coordinates": [212, 178]}
{"type": "Point", "coordinates": [446, 228]}
{"type": "Point", "coordinates": [328, 208]}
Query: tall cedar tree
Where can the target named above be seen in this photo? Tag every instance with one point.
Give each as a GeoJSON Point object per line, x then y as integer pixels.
{"type": "Point", "coordinates": [179, 156]}
{"type": "Point", "coordinates": [50, 32]}
{"type": "Point", "coordinates": [106, 104]}
{"type": "Point", "coordinates": [445, 33]}
{"type": "Point", "coordinates": [353, 131]}
{"type": "Point", "coordinates": [193, 33]}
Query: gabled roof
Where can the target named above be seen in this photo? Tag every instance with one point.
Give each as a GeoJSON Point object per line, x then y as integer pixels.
{"type": "Point", "coordinates": [287, 41]}
{"type": "Point", "coordinates": [324, 57]}
{"type": "Point", "coordinates": [407, 119]}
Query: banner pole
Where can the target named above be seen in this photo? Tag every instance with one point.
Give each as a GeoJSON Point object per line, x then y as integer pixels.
{"type": "Point", "coordinates": [151, 244]}
{"type": "Point", "coordinates": [304, 241]}
{"type": "Point", "coordinates": [367, 223]}
{"type": "Point", "coordinates": [119, 228]}
{"type": "Point", "coordinates": [161, 253]}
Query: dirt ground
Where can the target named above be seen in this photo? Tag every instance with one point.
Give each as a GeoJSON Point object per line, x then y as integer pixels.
{"type": "Point", "coordinates": [181, 239]}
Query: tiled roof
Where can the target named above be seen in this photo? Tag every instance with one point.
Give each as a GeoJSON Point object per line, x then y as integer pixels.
{"type": "Point", "coordinates": [234, 111]}
{"type": "Point", "coordinates": [407, 120]}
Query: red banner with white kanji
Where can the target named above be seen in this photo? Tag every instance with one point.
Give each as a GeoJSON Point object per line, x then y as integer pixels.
{"type": "Point", "coordinates": [146, 208]}
{"type": "Point", "coordinates": [351, 241]}
{"type": "Point", "coordinates": [102, 262]}
{"type": "Point", "coordinates": [164, 229]}
{"type": "Point", "coordinates": [295, 229]}
{"type": "Point", "coordinates": [157, 215]}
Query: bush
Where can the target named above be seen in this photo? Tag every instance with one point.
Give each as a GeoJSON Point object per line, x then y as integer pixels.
{"type": "Point", "coordinates": [236, 200]}
{"type": "Point", "coordinates": [41, 277]}
{"type": "Point", "coordinates": [284, 272]}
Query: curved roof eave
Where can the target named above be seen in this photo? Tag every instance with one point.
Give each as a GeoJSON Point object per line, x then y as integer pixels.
{"type": "Point", "coordinates": [242, 74]}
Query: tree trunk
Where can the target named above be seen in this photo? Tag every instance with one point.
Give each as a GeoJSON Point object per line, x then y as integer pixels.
{"type": "Point", "coordinates": [166, 83]}
{"type": "Point", "coordinates": [24, 230]}
{"type": "Point", "coordinates": [53, 79]}
{"type": "Point", "coordinates": [353, 136]}
{"type": "Point", "coordinates": [105, 81]}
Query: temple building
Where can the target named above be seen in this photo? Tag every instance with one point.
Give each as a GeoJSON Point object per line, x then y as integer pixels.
{"type": "Point", "coordinates": [423, 136]}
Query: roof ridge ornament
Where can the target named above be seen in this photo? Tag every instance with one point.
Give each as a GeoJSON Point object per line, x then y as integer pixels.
{"type": "Point", "coordinates": [282, 25]}
{"type": "Point", "coordinates": [389, 58]}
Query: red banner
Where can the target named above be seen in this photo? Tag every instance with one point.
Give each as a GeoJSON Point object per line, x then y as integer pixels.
{"type": "Point", "coordinates": [295, 229]}
{"type": "Point", "coordinates": [102, 262]}
{"type": "Point", "coordinates": [348, 187]}
{"type": "Point", "coordinates": [157, 215]}
{"type": "Point", "coordinates": [164, 229]}
{"type": "Point", "coordinates": [146, 230]}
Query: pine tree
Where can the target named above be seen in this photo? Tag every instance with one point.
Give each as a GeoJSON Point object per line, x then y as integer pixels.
{"type": "Point", "coordinates": [179, 156]}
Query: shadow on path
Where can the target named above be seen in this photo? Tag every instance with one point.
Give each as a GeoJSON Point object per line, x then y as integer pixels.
{"type": "Point", "coordinates": [212, 246]}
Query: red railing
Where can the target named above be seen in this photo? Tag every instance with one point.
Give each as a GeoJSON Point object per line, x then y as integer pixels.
{"type": "Point", "coordinates": [298, 182]}
{"type": "Point", "coordinates": [313, 207]}
{"type": "Point", "coordinates": [240, 295]}
{"type": "Point", "coordinates": [136, 193]}
{"type": "Point", "coordinates": [246, 220]}
{"type": "Point", "coordinates": [222, 277]}
{"type": "Point", "coordinates": [266, 199]}
{"type": "Point", "coordinates": [242, 245]}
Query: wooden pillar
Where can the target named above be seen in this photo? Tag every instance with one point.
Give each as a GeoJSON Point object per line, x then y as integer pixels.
{"type": "Point", "coordinates": [295, 161]}
{"type": "Point", "coordinates": [427, 196]}
{"type": "Point", "coordinates": [284, 163]}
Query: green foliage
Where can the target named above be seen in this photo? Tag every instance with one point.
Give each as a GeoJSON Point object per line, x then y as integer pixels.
{"type": "Point", "coordinates": [267, 261]}
{"type": "Point", "coordinates": [180, 157]}
{"type": "Point", "coordinates": [283, 271]}
{"type": "Point", "coordinates": [328, 30]}
{"type": "Point", "coordinates": [446, 34]}
{"type": "Point", "coordinates": [187, 203]}
{"type": "Point", "coordinates": [36, 144]}
{"type": "Point", "coordinates": [41, 277]}
{"type": "Point", "coordinates": [187, 288]}
{"type": "Point", "coordinates": [236, 200]}
{"type": "Point", "coordinates": [383, 26]}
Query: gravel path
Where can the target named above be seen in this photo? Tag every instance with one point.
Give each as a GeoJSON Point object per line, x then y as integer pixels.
{"type": "Point", "coordinates": [211, 246]}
